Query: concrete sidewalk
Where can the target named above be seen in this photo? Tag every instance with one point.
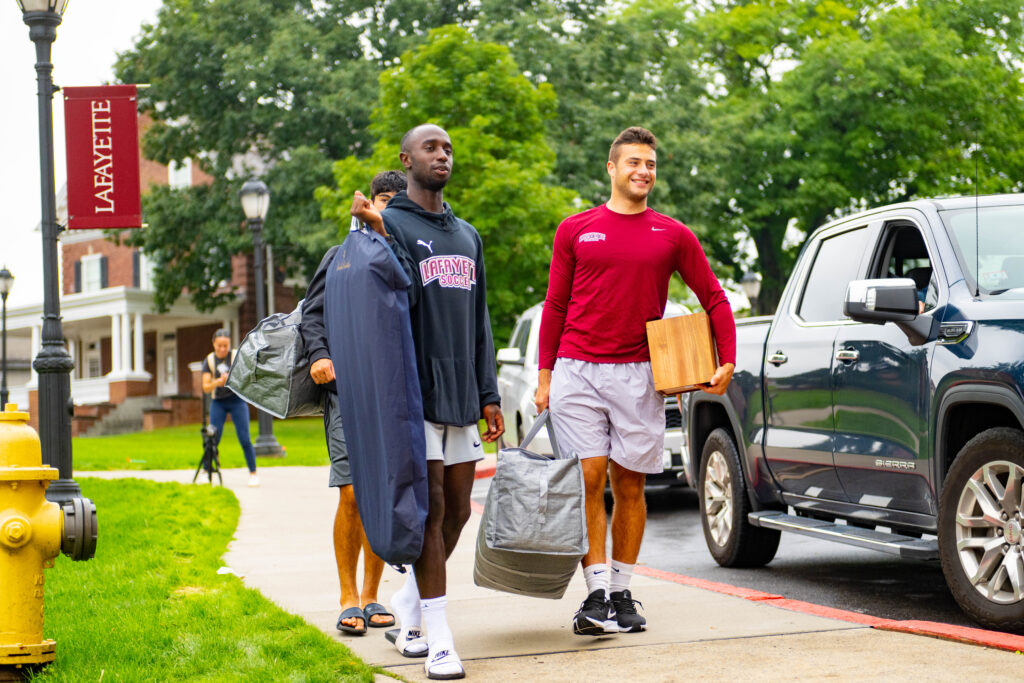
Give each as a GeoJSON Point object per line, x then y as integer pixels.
{"type": "Point", "coordinates": [283, 548]}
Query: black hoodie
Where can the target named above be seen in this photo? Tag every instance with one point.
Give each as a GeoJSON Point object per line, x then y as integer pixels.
{"type": "Point", "coordinates": [443, 256]}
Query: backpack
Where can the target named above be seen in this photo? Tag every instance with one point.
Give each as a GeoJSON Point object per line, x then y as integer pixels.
{"type": "Point", "coordinates": [271, 372]}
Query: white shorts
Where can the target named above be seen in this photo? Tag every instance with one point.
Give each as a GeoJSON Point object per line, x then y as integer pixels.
{"type": "Point", "coordinates": [452, 444]}
{"type": "Point", "coordinates": [609, 409]}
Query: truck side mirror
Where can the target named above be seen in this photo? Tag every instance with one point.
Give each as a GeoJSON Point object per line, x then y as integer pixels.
{"type": "Point", "coordinates": [510, 356]}
{"type": "Point", "coordinates": [881, 301]}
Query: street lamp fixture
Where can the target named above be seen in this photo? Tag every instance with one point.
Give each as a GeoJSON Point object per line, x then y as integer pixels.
{"type": "Point", "coordinates": [255, 198]}
{"type": "Point", "coordinates": [750, 283]}
{"type": "Point", "coordinates": [6, 282]}
{"type": "Point", "coordinates": [55, 6]}
{"type": "Point", "coordinates": [53, 363]}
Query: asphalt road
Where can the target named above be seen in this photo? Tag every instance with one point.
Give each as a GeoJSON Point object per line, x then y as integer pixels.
{"type": "Point", "coordinates": [808, 569]}
{"type": "Point", "coordinates": [804, 568]}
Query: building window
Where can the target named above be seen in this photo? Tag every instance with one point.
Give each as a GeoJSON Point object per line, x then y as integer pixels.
{"type": "Point", "coordinates": [142, 271]}
{"type": "Point", "coordinates": [91, 273]}
{"type": "Point", "coordinates": [179, 175]}
{"type": "Point", "coordinates": [92, 361]}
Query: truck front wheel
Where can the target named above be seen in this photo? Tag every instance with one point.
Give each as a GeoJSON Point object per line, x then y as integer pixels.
{"type": "Point", "coordinates": [732, 540]}
{"type": "Point", "coordinates": [981, 528]}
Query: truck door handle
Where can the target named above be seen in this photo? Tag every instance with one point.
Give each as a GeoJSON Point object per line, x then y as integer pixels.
{"type": "Point", "coordinates": [847, 355]}
{"type": "Point", "coordinates": [778, 358]}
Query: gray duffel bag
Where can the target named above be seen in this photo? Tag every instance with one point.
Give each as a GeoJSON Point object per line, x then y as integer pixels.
{"type": "Point", "coordinates": [534, 528]}
{"type": "Point", "coordinates": [271, 371]}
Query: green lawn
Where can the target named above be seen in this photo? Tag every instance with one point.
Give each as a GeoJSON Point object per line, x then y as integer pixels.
{"type": "Point", "coordinates": [151, 607]}
{"type": "Point", "coordinates": [176, 448]}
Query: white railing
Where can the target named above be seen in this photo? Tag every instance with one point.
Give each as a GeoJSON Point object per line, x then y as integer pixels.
{"type": "Point", "coordinates": [93, 390]}
{"type": "Point", "coordinates": [19, 395]}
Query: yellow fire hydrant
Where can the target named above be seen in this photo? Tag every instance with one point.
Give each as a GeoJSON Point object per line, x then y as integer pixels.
{"type": "Point", "coordinates": [32, 532]}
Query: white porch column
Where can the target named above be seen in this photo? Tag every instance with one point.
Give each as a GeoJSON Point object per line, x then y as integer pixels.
{"type": "Point", "coordinates": [115, 344]}
{"type": "Point", "coordinates": [37, 334]}
{"type": "Point", "coordinates": [139, 363]}
{"type": "Point", "coordinates": [73, 352]}
{"type": "Point", "coordinates": [226, 324]}
{"type": "Point", "coordinates": [126, 342]}
{"type": "Point", "coordinates": [270, 280]}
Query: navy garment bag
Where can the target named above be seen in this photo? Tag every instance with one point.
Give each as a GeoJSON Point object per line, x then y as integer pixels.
{"type": "Point", "coordinates": [366, 311]}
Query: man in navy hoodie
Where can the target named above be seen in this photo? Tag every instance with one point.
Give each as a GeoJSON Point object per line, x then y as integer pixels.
{"type": "Point", "coordinates": [443, 256]}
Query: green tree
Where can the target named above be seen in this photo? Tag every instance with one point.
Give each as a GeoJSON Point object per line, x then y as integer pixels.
{"type": "Point", "coordinates": [495, 118]}
{"type": "Point", "coordinates": [826, 107]}
{"type": "Point", "coordinates": [615, 66]}
{"type": "Point", "coordinates": [278, 89]}
{"type": "Point", "coordinates": [267, 87]}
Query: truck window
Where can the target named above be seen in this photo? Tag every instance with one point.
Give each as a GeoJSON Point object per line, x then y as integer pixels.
{"type": "Point", "coordinates": [905, 254]}
{"type": "Point", "coordinates": [521, 336]}
{"type": "Point", "coordinates": [835, 265]}
{"type": "Point", "coordinates": [998, 267]}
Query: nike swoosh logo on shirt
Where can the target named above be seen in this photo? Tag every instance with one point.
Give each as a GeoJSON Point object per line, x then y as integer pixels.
{"type": "Point", "coordinates": [476, 444]}
{"type": "Point", "coordinates": [659, 229]}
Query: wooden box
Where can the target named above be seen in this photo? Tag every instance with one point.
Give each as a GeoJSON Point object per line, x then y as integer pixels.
{"type": "Point", "coordinates": [682, 352]}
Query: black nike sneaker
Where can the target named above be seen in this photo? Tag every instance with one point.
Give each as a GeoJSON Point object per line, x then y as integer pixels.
{"type": "Point", "coordinates": [592, 617]}
{"type": "Point", "coordinates": [625, 614]}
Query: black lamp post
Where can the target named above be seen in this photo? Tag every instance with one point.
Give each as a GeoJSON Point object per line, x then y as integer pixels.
{"type": "Point", "coordinates": [255, 201]}
{"type": "Point", "coordinates": [6, 282]}
{"type": "Point", "coordinates": [53, 363]}
{"type": "Point", "coordinates": [751, 285]}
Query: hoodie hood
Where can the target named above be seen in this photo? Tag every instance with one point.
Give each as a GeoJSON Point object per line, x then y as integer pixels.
{"type": "Point", "coordinates": [442, 221]}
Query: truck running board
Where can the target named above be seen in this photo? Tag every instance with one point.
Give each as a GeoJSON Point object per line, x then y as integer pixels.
{"type": "Point", "coordinates": [907, 547]}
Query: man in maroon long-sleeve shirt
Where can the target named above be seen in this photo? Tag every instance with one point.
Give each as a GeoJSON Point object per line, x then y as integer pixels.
{"type": "Point", "coordinates": [609, 275]}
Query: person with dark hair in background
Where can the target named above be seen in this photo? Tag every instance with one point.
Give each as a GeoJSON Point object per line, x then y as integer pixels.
{"type": "Point", "coordinates": [224, 401]}
{"type": "Point", "coordinates": [359, 609]}
{"type": "Point", "coordinates": [610, 271]}
{"type": "Point", "coordinates": [451, 329]}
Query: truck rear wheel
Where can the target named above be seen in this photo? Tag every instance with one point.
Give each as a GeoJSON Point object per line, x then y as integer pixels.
{"type": "Point", "coordinates": [732, 540]}
{"type": "Point", "coordinates": [981, 516]}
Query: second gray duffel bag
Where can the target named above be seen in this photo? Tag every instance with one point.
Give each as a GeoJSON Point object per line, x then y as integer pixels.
{"type": "Point", "coordinates": [271, 371]}
{"type": "Point", "coordinates": [534, 528]}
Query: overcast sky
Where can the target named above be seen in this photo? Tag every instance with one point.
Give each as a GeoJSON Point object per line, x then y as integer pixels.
{"type": "Point", "coordinates": [88, 40]}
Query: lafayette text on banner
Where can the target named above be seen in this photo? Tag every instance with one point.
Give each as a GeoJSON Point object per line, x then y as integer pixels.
{"type": "Point", "coordinates": [102, 137]}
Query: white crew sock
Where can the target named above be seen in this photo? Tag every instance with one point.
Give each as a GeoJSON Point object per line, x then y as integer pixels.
{"type": "Point", "coordinates": [405, 603]}
{"type": "Point", "coordinates": [442, 660]}
{"type": "Point", "coordinates": [621, 574]}
{"type": "Point", "coordinates": [435, 621]}
{"type": "Point", "coordinates": [596, 576]}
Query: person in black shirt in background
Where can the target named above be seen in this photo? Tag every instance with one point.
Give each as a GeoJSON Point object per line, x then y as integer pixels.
{"type": "Point", "coordinates": [226, 402]}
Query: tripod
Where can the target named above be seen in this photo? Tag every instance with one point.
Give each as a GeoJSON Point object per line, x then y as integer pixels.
{"type": "Point", "coordinates": [210, 462]}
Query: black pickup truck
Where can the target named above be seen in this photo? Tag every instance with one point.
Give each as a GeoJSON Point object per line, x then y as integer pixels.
{"type": "Point", "coordinates": [883, 404]}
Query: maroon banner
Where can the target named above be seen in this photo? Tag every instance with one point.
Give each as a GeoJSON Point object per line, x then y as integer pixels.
{"type": "Point", "coordinates": [102, 137]}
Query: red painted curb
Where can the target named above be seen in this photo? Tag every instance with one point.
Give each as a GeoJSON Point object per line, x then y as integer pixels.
{"type": "Point", "coordinates": [960, 634]}
{"type": "Point", "coordinates": [485, 471]}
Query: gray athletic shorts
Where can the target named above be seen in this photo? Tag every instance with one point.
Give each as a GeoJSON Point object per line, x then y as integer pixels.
{"type": "Point", "coordinates": [609, 409]}
{"type": "Point", "coordinates": [337, 449]}
{"type": "Point", "coordinates": [453, 444]}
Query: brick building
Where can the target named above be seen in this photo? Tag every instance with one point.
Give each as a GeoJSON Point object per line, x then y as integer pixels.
{"type": "Point", "coordinates": [121, 348]}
